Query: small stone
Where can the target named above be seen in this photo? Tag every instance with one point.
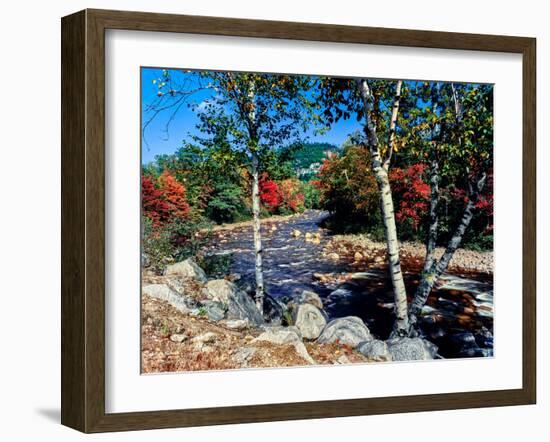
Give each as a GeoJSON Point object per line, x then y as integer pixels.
{"type": "Point", "coordinates": [343, 360]}
{"type": "Point", "coordinates": [243, 355]}
{"type": "Point", "coordinates": [427, 310]}
{"type": "Point", "coordinates": [358, 256]}
{"type": "Point", "coordinates": [378, 260]}
{"type": "Point", "coordinates": [334, 256]}
{"type": "Point", "coordinates": [237, 324]}
{"type": "Point", "coordinates": [206, 338]}
{"type": "Point", "coordinates": [178, 338]}
{"type": "Point", "coordinates": [296, 233]}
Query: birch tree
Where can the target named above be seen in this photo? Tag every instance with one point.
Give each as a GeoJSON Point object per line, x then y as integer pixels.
{"type": "Point", "coordinates": [456, 134]}
{"type": "Point", "coordinates": [254, 112]}
{"type": "Point", "coordinates": [376, 104]}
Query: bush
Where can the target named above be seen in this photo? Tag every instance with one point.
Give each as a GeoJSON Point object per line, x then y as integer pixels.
{"type": "Point", "coordinates": [348, 190]}
{"type": "Point", "coordinates": [172, 242]}
{"type": "Point", "coordinates": [283, 197]}
{"type": "Point", "coordinates": [216, 266]}
{"type": "Point", "coordinates": [311, 194]}
{"type": "Point", "coordinates": [163, 200]}
{"type": "Point", "coordinates": [291, 197]}
{"type": "Point", "coordinates": [226, 204]}
{"type": "Point", "coordinates": [270, 197]}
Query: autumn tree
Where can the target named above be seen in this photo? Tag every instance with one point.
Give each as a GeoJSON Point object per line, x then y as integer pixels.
{"type": "Point", "coordinates": [174, 195]}
{"type": "Point", "coordinates": [253, 112]}
{"type": "Point", "coordinates": [153, 205]}
{"type": "Point", "coordinates": [375, 104]}
{"type": "Point", "coordinates": [453, 129]}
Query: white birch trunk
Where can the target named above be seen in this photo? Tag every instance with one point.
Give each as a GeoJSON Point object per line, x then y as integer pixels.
{"type": "Point", "coordinates": [429, 279]}
{"type": "Point", "coordinates": [401, 326]}
{"type": "Point", "coordinates": [429, 261]}
{"type": "Point", "coordinates": [434, 219]}
{"type": "Point", "coordinates": [256, 223]}
{"type": "Point", "coordinates": [259, 298]}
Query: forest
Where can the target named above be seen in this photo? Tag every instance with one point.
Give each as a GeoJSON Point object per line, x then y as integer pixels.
{"type": "Point", "coordinates": [407, 193]}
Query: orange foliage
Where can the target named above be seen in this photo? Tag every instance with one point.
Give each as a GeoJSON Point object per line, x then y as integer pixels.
{"type": "Point", "coordinates": [174, 195]}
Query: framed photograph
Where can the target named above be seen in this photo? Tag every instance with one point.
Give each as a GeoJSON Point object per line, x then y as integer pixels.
{"type": "Point", "coordinates": [266, 221]}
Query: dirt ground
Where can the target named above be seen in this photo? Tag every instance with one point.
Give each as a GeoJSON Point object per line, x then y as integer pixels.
{"type": "Point", "coordinates": [163, 326]}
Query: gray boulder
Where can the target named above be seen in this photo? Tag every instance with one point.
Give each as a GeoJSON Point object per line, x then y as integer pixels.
{"type": "Point", "coordinates": [308, 297]}
{"type": "Point", "coordinates": [375, 350]}
{"type": "Point", "coordinates": [161, 291]}
{"type": "Point", "coordinates": [349, 330]}
{"type": "Point", "coordinates": [215, 311]}
{"type": "Point", "coordinates": [188, 269]}
{"type": "Point", "coordinates": [411, 349]}
{"type": "Point", "coordinates": [285, 336]}
{"type": "Point", "coordinates": [309, 320]}
{"type": "Point", "coordinates": [239, 304]}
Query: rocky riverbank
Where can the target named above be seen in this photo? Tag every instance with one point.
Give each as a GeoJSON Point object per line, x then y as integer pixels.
{"type": "Point", "coordinates": [361, 250]}
{"type": "Point", "coordinates": [192, 323]}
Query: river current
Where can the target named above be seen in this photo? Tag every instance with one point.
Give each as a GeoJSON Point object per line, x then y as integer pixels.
{"type": "Point", "coordinates": [458, 317]}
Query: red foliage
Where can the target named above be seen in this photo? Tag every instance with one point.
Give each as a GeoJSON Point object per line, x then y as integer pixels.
{"type": "Point", "coordinates": [165, 201]}
{"type": "Point", "coordinates": [174, 194]}
{"type": "Point", "coordinates": [282, 196]}
{"type": "Point", "coordinates": [291, 197]}
{"type": "Point", "coordinates": [269, 194]}
{"type": "Point", "coordinates": [153, 205]}
{"type": "Point", "coordinates": [411, 193]}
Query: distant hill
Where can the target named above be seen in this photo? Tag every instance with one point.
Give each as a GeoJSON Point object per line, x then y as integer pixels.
{"type": "Point", "coordinates": [311, 153]}
{"type": "Point", "coordinates": [308, 159]}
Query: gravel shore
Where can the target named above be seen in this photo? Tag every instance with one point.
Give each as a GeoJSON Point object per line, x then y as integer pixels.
{"type": "Point", "coordinates": [463, 260]}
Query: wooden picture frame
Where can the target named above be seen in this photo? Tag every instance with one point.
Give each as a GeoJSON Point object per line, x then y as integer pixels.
{"type": "Point", "coordinates": [83, 220]}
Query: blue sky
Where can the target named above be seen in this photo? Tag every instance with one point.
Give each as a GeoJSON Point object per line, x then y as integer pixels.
{"type": "Point", "coordinates": [157, 141]}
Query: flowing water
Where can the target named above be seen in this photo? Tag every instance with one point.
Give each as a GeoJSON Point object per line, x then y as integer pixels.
{"type": "Point", "coordinates": [458, 317]}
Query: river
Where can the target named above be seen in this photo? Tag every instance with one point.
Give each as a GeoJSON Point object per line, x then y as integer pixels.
{"type": "Point", "coordinates": [458, 317]}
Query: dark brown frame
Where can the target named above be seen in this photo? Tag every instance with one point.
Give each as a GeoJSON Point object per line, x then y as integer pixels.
{"type": "Point", "coordinates": [83, 215]}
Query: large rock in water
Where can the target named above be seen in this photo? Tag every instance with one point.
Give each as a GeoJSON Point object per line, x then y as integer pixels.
{"type": "Point", "coordinates": [188, 268]}
{"type": "Point", "coordinates": [309, 320]}
{"type": "Point", "coordinates": [285, 336]}
{"type": "Point", "coordinates": [239, 304]}
{"type": "Point", "coordinates": [349, 330]}
{"type": "Point", "coordinates": [411, 349]}
{"type": "Point", "coordinates": [308, 297]}
{"type": "Point", "coordinates": [161, 291]}
{"type": "Point", "coordinates": [375, 350]}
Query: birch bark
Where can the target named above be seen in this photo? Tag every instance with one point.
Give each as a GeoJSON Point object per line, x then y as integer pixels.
{"type": "Point", "coordinates": [256, 224]}
{"type": "Point", "coordinates": [259, 298]}
{"type": "Point", "coordinates": [429, 279]}
{"type": "Point", "coordinates": [380, 170]}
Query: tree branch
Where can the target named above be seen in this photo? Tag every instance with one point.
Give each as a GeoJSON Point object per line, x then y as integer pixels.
{"type": "Point", "coordinates": [393, 125]}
